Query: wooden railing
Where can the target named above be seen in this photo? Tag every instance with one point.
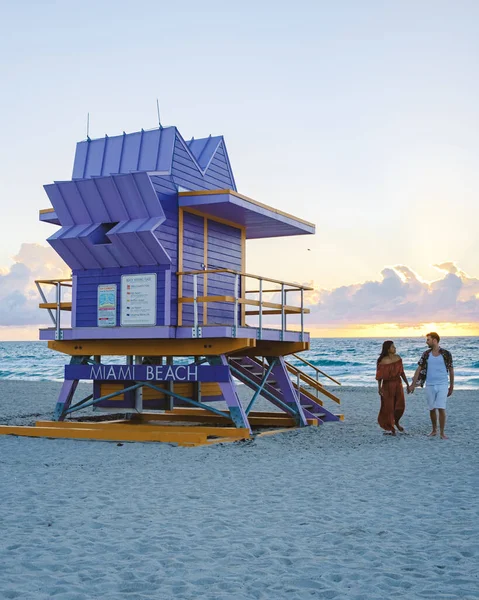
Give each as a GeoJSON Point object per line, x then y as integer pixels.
{"type": "Point", "coordinates": [56, 306]}
{"type": "Point", "coordinates": [241, 297]}
{"type": "Point", "coordinates": [316, 370]}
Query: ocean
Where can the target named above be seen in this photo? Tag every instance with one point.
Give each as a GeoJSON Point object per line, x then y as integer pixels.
{"type": "Point", "coordinates": [352, 361]}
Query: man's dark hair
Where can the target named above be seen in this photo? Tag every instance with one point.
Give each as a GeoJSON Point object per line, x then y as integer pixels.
{"type": "Point", "coordinates": [434, 335]}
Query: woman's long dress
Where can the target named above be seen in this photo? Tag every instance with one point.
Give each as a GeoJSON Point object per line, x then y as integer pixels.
{"type": "Point", "coordinates": [392, 400]}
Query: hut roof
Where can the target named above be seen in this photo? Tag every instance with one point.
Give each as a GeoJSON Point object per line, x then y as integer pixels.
{"type": "Point", "coordinates": [151, 151]}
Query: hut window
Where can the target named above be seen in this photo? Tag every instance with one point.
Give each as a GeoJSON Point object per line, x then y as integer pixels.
{"type": "Point", "coordinates": [99, 236]}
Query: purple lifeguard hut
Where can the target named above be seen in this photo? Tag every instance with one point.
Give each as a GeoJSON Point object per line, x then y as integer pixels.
{"type": "Point", "coordinates": [154, 231]}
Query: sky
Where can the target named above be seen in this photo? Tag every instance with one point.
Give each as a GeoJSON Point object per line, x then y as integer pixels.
{"type": "Point", "coordinates": [361, 117]}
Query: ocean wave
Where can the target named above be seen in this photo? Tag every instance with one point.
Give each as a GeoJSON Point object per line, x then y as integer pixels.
{"type": "Point", "coordinates": [331, 362]}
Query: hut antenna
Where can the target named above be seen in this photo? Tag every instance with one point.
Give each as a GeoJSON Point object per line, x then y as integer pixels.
{"type": "Point", "coordinates": [88, 126]}
{"type": "Point", "coordinates": [158, 111]}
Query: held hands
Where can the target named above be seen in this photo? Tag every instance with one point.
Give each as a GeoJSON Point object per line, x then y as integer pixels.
{"type": "Point", "coordinates": [409, 388]}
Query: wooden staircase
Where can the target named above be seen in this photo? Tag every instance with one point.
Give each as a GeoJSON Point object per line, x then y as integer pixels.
{"type": "Point", "coordinates": [251, 372]}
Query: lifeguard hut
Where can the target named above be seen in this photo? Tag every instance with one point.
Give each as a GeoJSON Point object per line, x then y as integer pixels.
{"type": "Point", "coordinates": [154, 231]}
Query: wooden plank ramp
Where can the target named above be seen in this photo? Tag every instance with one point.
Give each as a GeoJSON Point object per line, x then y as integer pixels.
{"type": "Point", "coordinates": [181, 426]}
{"type": "Point", "coordinates": [127, 431]}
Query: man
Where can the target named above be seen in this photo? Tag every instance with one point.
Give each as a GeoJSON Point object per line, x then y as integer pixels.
{"type": "Point", "coordinates": [436, 371]}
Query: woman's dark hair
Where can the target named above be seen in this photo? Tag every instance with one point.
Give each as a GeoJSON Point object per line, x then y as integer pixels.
{"type": "Point", "coordinates": [385, 350]}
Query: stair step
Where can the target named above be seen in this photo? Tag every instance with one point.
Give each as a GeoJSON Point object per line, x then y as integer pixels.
{"type": "Point", "coordinates": [309, 407]}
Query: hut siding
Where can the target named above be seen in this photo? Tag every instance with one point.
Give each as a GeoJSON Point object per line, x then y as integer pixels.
{"type": "Point", "coordinates": [185, 172]}
{"type": "Point", "coordinates": [87, 283]}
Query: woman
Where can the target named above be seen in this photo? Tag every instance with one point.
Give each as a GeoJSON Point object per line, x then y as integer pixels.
{"type": "Point", "coordinates": [389, 372]}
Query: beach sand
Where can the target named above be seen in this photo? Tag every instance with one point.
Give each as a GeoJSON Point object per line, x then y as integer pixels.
{"type": "Point", "coordinates": [338, 511]}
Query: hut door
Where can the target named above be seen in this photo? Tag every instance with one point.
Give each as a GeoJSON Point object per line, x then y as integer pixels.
{"type": "Point", "coordinates": [208, 245]}
{"type": "Point", "coordinates": [223, 251]}
{"type": "Point", "coordinates": [194, 255]}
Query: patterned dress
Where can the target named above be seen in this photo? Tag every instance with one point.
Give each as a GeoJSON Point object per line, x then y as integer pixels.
{"type": "Point", "coordinates": [392, 400]}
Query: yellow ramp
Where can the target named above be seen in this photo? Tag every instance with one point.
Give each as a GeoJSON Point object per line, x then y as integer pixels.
{"type": "Point", "coordinates": [125, 432]}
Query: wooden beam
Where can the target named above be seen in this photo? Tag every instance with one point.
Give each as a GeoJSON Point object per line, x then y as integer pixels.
{"type": "Point", "coordinates": [235, 432]}
{"type": "Point", "coordinates": [207, 299]}
{"type": "Point", "coordinates": [205, 275]}
{"type": "Point", "coordinates": [276, 291]}
{"type": "Point", "coordinates": [303, 360]}
{"type": "Point", "coordinates": [276, 305]}
{"type": "Point", "coordinates": [164, 347]}
{"type": "Point", "coordinates": [246, 301]}
{"type": "Point", "coordinates": [189, 411]}
{"type": "Point", "coordinates": [243, 278]}
{"type": "Point", "coordinates": [180, 266]}
{"type": "Point", "coordinates": [200, 213]}
{"type": "Point", "coordinates": [256, 419]}
{"type": "Point", "coordinates": [273, 312]}
{"type": "Point", "coordinates": [53, 305]}
{"type": "Point", "coordinates": [131, 434]}
{"type": "Point", "coordinates": [64, 282]}
{"type": "Point", "coordinates": [312, 382]}
{"type": "Point", "coordinates": [296, 286]}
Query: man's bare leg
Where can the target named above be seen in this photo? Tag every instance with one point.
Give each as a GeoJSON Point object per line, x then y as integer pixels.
{"type": "Point", "coordinates": [432, 414]}
{"type": "Point", "coordinates": [442, 422]}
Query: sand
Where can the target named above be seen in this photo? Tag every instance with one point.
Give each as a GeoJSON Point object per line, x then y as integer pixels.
{"type": "Point", "coordinates": [338, 511]}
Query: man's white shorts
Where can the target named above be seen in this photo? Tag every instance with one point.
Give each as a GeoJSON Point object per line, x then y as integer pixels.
{"type": "Point", "coordinates": [436, 396]}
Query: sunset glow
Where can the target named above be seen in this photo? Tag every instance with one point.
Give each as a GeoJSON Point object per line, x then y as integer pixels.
{"type": "Point", "coordinates": [391, 330]}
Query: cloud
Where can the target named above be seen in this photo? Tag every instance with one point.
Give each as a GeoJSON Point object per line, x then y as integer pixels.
{"type": "Point", "coordinates": [19, 297]}
{"type": "Point", "coordinates": [400, 297]}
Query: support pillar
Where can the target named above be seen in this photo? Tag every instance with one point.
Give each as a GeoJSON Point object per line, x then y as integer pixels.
{"type": "Point", "coordinates": [290, 397]}
{"type": "Point", "coordinates": [64, 399]}
{"type": "Point", "coordinates": [68, 390]}
{"type": "Point", "coordinates": [228, 389]}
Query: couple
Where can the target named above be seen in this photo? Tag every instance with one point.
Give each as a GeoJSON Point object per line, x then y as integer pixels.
{"type": "Point", "coordinates": [435, 368]}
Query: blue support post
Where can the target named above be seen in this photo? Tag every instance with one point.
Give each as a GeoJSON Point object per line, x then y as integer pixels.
{"type": "Point", "coordinates": [68, 391]}
{"type": "Point", "coordinates": [287, 389]}
{"type": "Point", "coordinates": [64, 399]}
{"type": "Point", "coordinates": [237, 412]}
{"type": "Point", "coordinates": [260, 388]}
